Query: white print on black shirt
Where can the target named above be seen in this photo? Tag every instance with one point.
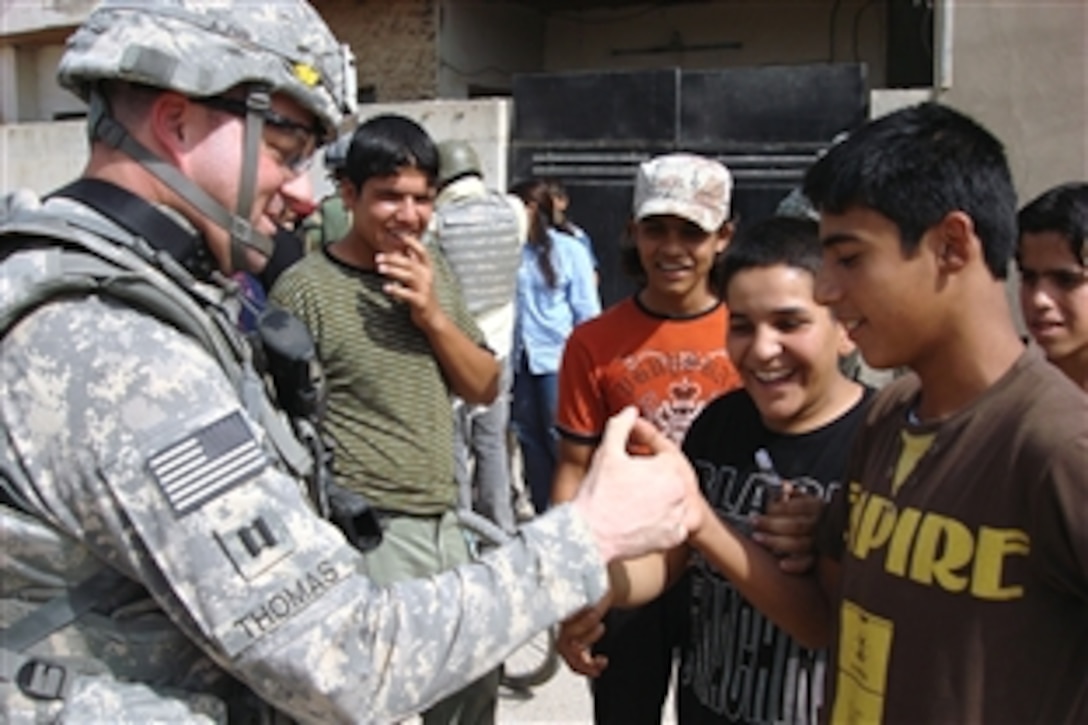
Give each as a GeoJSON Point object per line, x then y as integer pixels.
{"type": "Point", "coordinates": [738, 664]}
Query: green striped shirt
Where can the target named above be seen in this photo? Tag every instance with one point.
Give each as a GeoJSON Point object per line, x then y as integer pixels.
{"type": "Point", "coordinates": [389, 419]}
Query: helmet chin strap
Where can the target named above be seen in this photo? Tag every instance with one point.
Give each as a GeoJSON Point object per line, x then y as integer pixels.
{"type": "Point", "coordinates": [258, 101]}
{"type": "Point", "coordinates": [242, 234]}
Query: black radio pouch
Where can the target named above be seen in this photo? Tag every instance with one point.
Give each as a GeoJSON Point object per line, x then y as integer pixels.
{"type": "Point", "coordinates": [291, 359]}
{"type": "Point", "coordinates": [355, 517]}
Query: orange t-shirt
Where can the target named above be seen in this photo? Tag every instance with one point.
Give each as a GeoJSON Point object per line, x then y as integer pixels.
{"type": "Point", "coordinates": [668, 367]}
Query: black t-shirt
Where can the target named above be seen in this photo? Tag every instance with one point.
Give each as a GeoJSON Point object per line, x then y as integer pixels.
{"type": "Point", "coordinates": [736, 666]}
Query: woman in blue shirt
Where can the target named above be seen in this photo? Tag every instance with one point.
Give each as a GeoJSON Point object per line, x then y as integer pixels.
{"type": "Point", "coordinates": [556, 290]}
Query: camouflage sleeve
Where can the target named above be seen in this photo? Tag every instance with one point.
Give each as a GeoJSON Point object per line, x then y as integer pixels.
{"type": "Point", "coordinates": [137, 445]}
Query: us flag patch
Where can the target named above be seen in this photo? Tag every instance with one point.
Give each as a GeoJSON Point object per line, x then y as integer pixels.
{"type": "Point", "coordinates": [207, 463]}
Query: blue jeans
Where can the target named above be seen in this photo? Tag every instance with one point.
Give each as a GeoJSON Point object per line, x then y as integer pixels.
{"type": "Point", "coordinates": [533, 415]}
{"type": "Point", "coordinates": [481, 456]}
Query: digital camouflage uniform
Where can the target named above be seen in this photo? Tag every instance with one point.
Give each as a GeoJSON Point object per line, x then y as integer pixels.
{"type": "Point", "coordinates": [138, 439]}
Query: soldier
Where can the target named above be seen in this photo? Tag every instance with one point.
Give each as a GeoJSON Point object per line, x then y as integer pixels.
{"type": "Point", "coordinates": [480, 232]}
{"type": "Point", "coordinates": [161, 559]}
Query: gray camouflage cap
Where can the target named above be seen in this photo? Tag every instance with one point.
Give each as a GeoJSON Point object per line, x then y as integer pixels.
{"type": "Point", "coordinates": [203, 48]}
{"type": "Point", "coordinates": [685, 185]}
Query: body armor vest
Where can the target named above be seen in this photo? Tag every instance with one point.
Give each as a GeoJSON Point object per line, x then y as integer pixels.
{"type": "Point", "coordinates": [479, 238]}
{"type": "Point", "coordinates": [88, 256]}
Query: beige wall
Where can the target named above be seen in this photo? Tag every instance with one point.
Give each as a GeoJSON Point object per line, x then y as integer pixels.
{"type": "Point", "coordinates": [1035, 98]}
{"type": "Point", "coordinates": [31, 16]}
{"type": "Point", "coordinates": [43, 156]}
{"type": "Point", "coordinates": [484, 123]}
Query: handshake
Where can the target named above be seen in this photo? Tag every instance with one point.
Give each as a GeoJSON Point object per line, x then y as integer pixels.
{"type": "Point", "coordinates": [637, 503]}
{"type": "Point", "coordinates": [647, 513]}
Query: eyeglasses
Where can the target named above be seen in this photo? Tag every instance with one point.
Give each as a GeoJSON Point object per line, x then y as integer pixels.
{"type": "Point", "coordinates": [293, 143]}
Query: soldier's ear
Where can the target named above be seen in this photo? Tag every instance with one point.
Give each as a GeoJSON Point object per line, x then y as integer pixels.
{"type": "Point", "coordinates": [172, 123]}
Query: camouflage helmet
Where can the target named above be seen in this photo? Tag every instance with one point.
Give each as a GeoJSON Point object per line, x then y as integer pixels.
{"type": "Point", "coordinates": [203, 48]}
{"type": "Point", "coordinates": [456, 159]}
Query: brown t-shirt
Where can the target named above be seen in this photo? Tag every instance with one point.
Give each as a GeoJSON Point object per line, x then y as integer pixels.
{"type": "Point", "coordinates": [964, 547]}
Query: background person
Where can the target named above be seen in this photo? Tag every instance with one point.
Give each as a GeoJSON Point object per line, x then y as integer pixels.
{"type": "Point", "coordinates": [561, 220]}
{"type": "Point", "coordinates": [136, 588]}
{"type": "Point", "coordinates": [480, 233]}
{"type": "Point", "coordinates": [396, 339]}
{"type": "Point", "coordinates": [1052, 256]}
{"type": "Point", "coordinates": [556, 290]}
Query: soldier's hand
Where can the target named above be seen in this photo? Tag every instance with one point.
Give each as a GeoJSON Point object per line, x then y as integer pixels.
{"type": "Point", "coordinates": [787, 528]}
{"type": "Point", "coordinates": [638, 503]}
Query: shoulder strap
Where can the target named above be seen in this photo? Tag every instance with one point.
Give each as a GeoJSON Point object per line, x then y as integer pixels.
{"type": "Point", "coordinates": [88, 264]}
{"type": "Point", "coordinates": [143, 220]}
{"type": "Point", "coordinates": [106, 589]}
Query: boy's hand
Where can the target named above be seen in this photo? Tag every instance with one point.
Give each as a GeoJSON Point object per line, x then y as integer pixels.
{"type": "Point", "coordinates": [787, 527]}
{"type": "Point", "coordinates": [411, 279]}
{"type": "Point", "coordinates": [577, 636]}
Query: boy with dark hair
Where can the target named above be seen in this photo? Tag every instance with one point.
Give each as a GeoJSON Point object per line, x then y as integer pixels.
{"type": "Point", "coordinates": [965, 555]}
{"type": "Point", "coordinates": [396, 339]}
{"type": "Point", "coordinates": [662, 350]}
{"type": "Point", "coordinates": [954, 565]}
{"type": "Point", "coordinates": [796, 409]}
{"type": "Point", "coordinates": [1052, 255]}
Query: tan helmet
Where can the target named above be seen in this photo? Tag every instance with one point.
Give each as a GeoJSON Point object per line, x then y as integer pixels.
{"type": "Point", "coordinates": [456, 159]}
{"type": "Point", "coordinates": [201, 49]}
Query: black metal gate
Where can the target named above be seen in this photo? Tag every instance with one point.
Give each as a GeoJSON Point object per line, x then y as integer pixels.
{"type": "Point", "coordinates": [592, 129]}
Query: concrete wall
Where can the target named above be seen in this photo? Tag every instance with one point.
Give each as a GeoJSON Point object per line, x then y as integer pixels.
{"type": "Point", "coordinates": [32, 34]}
{"type": "Point", "coordinates": [43, 156]}
{"type": "Point", "coordinates": [484, 123]}
{"type": "Point", "coordinates": [31, 16]}
{"type": "Point", "coordinates": [1021, 68]}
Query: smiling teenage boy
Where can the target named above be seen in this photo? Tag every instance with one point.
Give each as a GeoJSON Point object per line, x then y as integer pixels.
{"type": "Point", "coordinates": [663, 351]}
{"type": "Point", "coordinates": [797, 407]}
{"type": "Point", "coordinates": [963, 534]}
{"type": "Point", "coordinates": [396, 339]}
{"type": "Point", "coordinates": [953, 572]}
